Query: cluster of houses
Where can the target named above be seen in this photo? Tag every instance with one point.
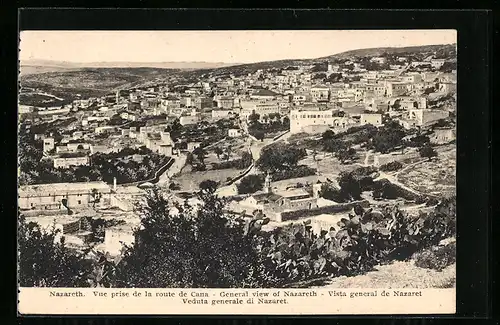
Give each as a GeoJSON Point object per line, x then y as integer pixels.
{"type": "Point", "coordinates": [358, 97]}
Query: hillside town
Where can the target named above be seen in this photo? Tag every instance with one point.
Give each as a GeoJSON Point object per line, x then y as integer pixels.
{"type": "Point", "coordinates": [300, 143]}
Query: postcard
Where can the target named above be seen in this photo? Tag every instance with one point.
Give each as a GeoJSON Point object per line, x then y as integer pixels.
{"type": "Point", "coordinates": [247, 172]}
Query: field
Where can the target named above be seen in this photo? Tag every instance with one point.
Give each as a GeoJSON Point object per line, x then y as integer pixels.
{"type": "Point", "coordinates": [433, 177]}
{"type": "Point", "coordinates": [328, 165]}
{"type": "Point", "coordinates": [189, 180]}
{"type": "Point", "coordinates": [237, 147]}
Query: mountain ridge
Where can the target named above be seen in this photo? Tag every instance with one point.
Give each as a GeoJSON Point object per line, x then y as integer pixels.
{"type": "Point", "coordinates": [47, 65]}
{"type": "Point", "coordinates": [215, 65]}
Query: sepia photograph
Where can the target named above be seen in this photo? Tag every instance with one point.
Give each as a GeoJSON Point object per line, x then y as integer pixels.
{"type": "Point", "coordinates": [251, 159]}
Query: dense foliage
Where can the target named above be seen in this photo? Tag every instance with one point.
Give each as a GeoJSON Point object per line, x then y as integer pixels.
{"type": "Point", "coordinates": [436, 257]}
{"type": "Point", "coordinates": [365, 239]}
{"type": "Point", "coordinates": [250, 184]}
{"type": "Point", "coordinates": [388, 137]}
{"type": "Point", "coordinates": [46, 262]}
{"type": "Point", "coordinates": [103, 167]}
{"type": "Point", "coordinates": [297, 172]}
{"type": "Point", "coordinates": [192, 249]}
{"type": "Point", "coordinates": [279, 157]}
{"type": "Point", "coordinates": [204, 247]}
{"type": "Point", "coordinates": [272, 123]}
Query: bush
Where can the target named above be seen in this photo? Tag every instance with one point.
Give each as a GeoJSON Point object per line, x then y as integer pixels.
{"type": "Point", "coordinates": [360, 242]}
{"type": "Point", "coordinates": [391, 167]}
{"type": "Point", "coordinates": [250, 184]}
{"type": "Point", "coordinates": [437, 257]}
{"type": "Point", "coordinates": [427, 152]}
{"type": "Point", "coordinates": [432, 202]}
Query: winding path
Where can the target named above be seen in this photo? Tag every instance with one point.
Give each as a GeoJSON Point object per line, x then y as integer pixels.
{"type": "Point", "coordinates": [255, 147]}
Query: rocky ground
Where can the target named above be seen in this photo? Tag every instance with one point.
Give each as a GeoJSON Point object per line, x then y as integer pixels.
{"type": "Point", "coordinates": [398, 275]}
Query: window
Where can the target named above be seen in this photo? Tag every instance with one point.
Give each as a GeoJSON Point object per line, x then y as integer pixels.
{"type": "Point", "coordinates": [79, 202]}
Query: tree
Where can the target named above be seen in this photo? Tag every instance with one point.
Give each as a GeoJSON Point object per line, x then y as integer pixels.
{"type": "Point", "coordinates": [46, 262]}
{"type": "Point", "coordinates": [218, 151]}
{"type": "Point", "coordinates": [200, 154]}
{"type": "Point", "coordinates": [189, 158]}
{"type": "Point", "coordinates": [250, 184]}
{"type": "Point", "coordinates": [208, 185]}
{"type": "Point", "coordinates": [448, 66]}
{"type": "Point", "coordinates": [196, 248]}
{"type": "Point", "coordinates": [330, 193]}
{"type": "Point", "coordinates": [429, 90]}
{"type": "Point", "coordinates": [388, 137]}
{"type": "Point", "coordinates": [328, 135]}
{"type": "Point", "coordinates": [253, 118]}
{"type": "Point", "coordinates": [334, 145]}
{"type": "Point", "coordinates": [245, 160]}
{"type": "Point", "coordinates": [286, 122]}
{"type": "Point", "coordinates": [96, 196]}
{"type": "Point", "coordinates": [318, 67]}
{"type": "Point", "coordinates": [174, 186]}
{"type": "Point", "coordinates": [427, 152]}
{"type": "Point", "coordinates": [397, 105]}
{"type": "Point", "coordinates": [442, 123]}
{"type": "Point", "coordinates": [346, 154]}
{"type": "Point", "coordinates": [350, 188]}
{"type": "Point", "coordinates": [279, 157]}
{"type": "Point", "coordinates": [419, 140]}
{"type": "Point", "coordinates": [258, 134]}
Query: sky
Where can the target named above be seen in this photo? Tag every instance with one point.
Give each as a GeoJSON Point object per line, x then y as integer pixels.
{"type": "Point", "coordinates": [213, 46]}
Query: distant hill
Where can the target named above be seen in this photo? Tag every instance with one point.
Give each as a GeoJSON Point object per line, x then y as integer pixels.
{"type": "Point", "coordinates": [70, 80]}
{"type": "Point", "coordinates": [281, 64]}
{"type": "Point", "coordinates": [42, 66]}
{"type": "Point", "coordinates": [87, 82]}
{"type": "Point", "coordinates": [389, 50]}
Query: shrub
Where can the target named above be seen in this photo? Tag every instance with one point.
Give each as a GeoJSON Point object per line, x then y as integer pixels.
{"type": "Point", "coordinates": [208, 185]}
{"type": "Point", "coordinates": [436, 257]}
{"type": "Point", "coordinates": [174, 186]}
{"type": "Point", "coordinates": [391, 167]}
{"type": "Point", "coordinates": [432, 202]}
{"type": "Point", "coordinates": [427, 152]}
{"type": "Point", "coordinates": [201, 248]}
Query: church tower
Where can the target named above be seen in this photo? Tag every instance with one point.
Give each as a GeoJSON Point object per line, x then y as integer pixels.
{"type": "Point", "coordinates": [330, 67]}
{"type": "Point", "coordinates": [267, 184]}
